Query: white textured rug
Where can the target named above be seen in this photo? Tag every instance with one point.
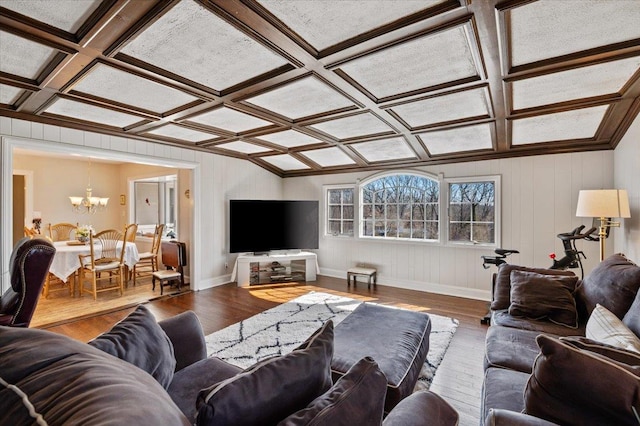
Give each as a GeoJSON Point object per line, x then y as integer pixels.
{"type": "Point", "coordinates": [279, 330]}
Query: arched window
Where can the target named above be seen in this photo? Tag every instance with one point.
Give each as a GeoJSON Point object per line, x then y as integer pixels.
{"type": "Point", "coordinates": [400, 206]}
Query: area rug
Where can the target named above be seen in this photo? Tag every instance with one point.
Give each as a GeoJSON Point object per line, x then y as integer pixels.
{"type": "Point", "coordinates": [279, 330]}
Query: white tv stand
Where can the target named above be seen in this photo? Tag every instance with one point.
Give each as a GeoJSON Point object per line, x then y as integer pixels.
{"type": "Point", "coordinates": [255, 270]}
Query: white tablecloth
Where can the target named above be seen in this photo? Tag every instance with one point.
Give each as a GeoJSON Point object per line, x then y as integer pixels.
{"type": "Point", "coordinates": [66, 260]}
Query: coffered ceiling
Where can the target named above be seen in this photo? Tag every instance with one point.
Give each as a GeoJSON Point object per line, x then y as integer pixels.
{"type": "Point", "coordinates": [303, 87]}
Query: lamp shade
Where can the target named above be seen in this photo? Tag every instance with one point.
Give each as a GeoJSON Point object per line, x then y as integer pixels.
{"type": "Point", "coordinates": [603, 203]}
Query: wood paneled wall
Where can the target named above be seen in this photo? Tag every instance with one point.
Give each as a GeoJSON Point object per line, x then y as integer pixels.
{"type": "Point", "coordinates": [627, 176]}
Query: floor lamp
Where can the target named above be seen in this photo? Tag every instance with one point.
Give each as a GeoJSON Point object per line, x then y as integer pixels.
{"type": "Point", "coordinates": [604, 204]}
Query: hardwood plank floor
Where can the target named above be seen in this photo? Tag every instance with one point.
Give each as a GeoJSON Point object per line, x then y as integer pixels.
{"type": "Point", "coordinates": [458, 379]}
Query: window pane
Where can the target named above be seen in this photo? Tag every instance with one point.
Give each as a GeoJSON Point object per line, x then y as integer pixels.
{"type": "Point", "coordinates": [392, 212]}
{"type": "Point", "coordinates": [431, 231]}
{"type": "Point", "coordinates": [460, 232]}
{"type": "Point", "coordinates": [334, 227]}
{"type": "Point", "coordinates": [367, 211]}
{"type": "Point", "coordinates": [347, 196]}
{"type": "Point", "coordinates": [418, 212]}
{"type": "Point", "coordinates": [347, 228]}
{"type": "Point", "coordinates": [380, 228]}
{"type": "Point", "coordinates": [335, 212]}
{"type": "Point", "coordinates": [335, 196]}
{"type": "Point", "coordinates": [417, 229]}
{"type": "Point", "coordinates": [392, 229]}
{"type": "Point", "coordinates": [483, 233]}
{"type": "Point", "coordinates": [367, 228]}
{"type": "Point", "coordinates": [347, 212]}
{"type": "Point", "coordinates": [404, 231]}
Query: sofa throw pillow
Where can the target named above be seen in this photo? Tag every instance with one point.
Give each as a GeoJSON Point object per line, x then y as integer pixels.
{"type": "Point", "coordinates": [502, 285]}
{"type": "Point", "coordinates": [538, 296]}
{"type": "Point", "coordinates": [272, 389]}
{"type": "Point", "coordinates": [139, 340]}
{"type": "Point", "coordinates": [68, 382]}
{"type": "Point", "coordinates": [357, 398]}
{"type": "Point", "coordinates": [569, 385]}
{"type": "Point", "coordinates": [605, 327]}
{"type": "Point", "coordinates": [632, 318]}
{"type": "Point", "coordinates": [613, 283]}
{"type": "Point", "coordinates": [623, 356]}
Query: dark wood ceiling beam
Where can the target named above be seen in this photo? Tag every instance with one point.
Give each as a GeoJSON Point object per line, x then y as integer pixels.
{"type": "Point", "coordinates": [487, 29]}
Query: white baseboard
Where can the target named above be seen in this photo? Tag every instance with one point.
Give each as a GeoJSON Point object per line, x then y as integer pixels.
{"type": "Point", "coordinates": [214, 282]}
{"type": "Point", "coordinates": [469, 293]}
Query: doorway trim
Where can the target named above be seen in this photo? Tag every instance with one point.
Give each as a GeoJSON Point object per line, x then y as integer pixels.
{"type": "Point", "coordinates": [7, 145]}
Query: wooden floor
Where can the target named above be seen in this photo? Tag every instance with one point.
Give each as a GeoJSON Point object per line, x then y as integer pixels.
{"type": "Point", "coordinates": [458, 379]}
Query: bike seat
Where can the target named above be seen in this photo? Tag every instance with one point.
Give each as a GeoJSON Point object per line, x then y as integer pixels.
{"type": "Point", "coordinates": [505, 252]}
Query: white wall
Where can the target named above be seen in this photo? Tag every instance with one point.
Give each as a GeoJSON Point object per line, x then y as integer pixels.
{"type": "Point", "coordinates": [539, 196]}
{"type": "Point", "coordinates": [216, 179]}
{"type": "Point", "coordinates": [626, 162]}
{"type": "Point", "coordinates": [55, 179]}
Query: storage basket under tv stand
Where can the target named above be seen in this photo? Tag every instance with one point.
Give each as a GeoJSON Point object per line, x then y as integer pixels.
{"type": "Point", "coordinates": [258, 270]}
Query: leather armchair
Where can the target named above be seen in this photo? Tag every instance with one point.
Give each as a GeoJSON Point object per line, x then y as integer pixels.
{"type": "Point", "coordinates": [28, 268]}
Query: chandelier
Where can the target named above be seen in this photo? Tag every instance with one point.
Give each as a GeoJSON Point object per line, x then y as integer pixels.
{"type": "Point", "coordinates": [88, 203]}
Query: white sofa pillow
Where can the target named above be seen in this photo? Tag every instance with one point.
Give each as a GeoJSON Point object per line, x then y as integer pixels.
{"type": "Point", "coordinates": [604, 327]}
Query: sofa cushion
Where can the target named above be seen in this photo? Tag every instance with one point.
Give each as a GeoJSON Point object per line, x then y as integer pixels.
{"type": "Point", "coordinates": [537, 296]}
{"type": "Point", "coordinates": [614, 353]}
{"type": "Point", "coordinates": [273, 388]}
{"type": "Point", "coordinates": [503, 319]}
{"type": "Point", "coordinates": [139, 340]}
{"type": "Point", "coordinates": [632, 318]}
{"type": "Point", "coordinates": [613, 283]}
{"type": "Point", "coordinates": [357, 398]}
{"type": "Point", "coordinates": [510, 348]}
{"type": "Point", "coordinates": [605, 327]}
{"type": "Point", "coordinates": [502, 288]}
{"type": "Point", "coordinates": [571, 385]}
{"type": "Point", "coordinates": [502, 389]}
{"type": "Point", "coordinates": [188, 382]}
{"type": "Point", "coordinates": [70, 382]}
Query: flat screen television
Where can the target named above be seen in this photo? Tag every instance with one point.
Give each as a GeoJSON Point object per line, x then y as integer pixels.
{"type": "Point", "coordinates": [266, 225]}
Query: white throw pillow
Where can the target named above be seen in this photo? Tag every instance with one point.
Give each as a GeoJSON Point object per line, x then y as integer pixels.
{"type": "Point", "coordinates": [604, 327]}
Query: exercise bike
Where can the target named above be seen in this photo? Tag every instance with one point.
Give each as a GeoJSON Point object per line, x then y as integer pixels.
{"type": "Point", "coordinates": [572, 256]}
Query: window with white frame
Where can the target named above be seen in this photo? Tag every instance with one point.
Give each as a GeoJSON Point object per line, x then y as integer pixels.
{"type": "Point", "coordinates": [340, 210]}
{"type": "Point", "coordinates": [473, 210]}
{"type": "Point", "coordinates": [400, 206]}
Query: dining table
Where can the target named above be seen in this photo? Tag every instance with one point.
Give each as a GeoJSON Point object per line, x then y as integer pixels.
{"type": "Point", "coordinates": [66, 261]}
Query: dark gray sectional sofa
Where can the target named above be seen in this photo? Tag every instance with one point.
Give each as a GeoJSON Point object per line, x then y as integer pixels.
{"type": "Point", "coordinates": [540, 369]}
{"type": "Point", "coordinates": [144, 372]}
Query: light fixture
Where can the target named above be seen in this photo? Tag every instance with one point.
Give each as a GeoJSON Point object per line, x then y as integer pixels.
{"type": "Point", "coordinates": [603, 204]}
{"type": "Point", "coordinates": [88, 203]}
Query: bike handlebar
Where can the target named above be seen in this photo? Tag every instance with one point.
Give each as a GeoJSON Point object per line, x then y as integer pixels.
{"type": "Point", "coordinates": [576, 235]}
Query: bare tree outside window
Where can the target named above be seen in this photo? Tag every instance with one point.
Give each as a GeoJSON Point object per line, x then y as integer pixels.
{"type": "Point", "coordinates": [402, 206]}
{"type": "Point", "coordinates": [472, 212]}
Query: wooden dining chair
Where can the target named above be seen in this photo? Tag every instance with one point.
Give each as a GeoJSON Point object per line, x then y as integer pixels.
{"type": "Point", "coordinates": [130, 232]}
{"type": "Point", "coordinates": [61, 231]}
{"type": "Point", "coordinates": [148, 262]}
{"type": "Point", "coordinates": [30, 232]}
{"type": "Point", "coordinates": [103, 263]}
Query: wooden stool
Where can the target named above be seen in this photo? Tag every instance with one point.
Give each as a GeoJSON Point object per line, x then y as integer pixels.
{"type": "Point", "coordinates": [369, 272]}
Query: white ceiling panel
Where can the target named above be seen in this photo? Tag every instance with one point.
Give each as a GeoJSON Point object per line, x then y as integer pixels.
{"type": "Point", "coordinates": [285, 162]}
{"type": "Point", "coordinates": [326, 23]}
{"type": "Point", "coordinates": [210, 51]}
{"type": "Point", "coordinates": [91, 113]}
{"type": "Point", "coordinates": [182, 133]}
{"type": "Point", "coordinates": [384, 150]}
{"type": "Point", "coordinates": [230, 120]}
{"type": "Point", "coordinates": [460, 139]}
{"type": "Point", "coordinates": [426, 61]}
{"type": "Point", "coordinates": [353, 126]}
{"type": "Point", "coordinates": [576, 124]}
{"type": "Point", "coordinates": [328, 157]}
{"type": "Point", "coordinates": [596, 80]}
{"type": "Point", "coordinates": [301, 98]}
{"type": "Point", "coordinates": [67, 15]}
{"type": "Point", "coordinates": [549, 28]}
{"type": "Point", "coordinates": [111, 83]}
{"type": "Point", "coordinates": [23, 57]}
{"type": "Point", "coordinates": [9, 94]}
{"type": "Point", "coordinates": [441, 109]}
